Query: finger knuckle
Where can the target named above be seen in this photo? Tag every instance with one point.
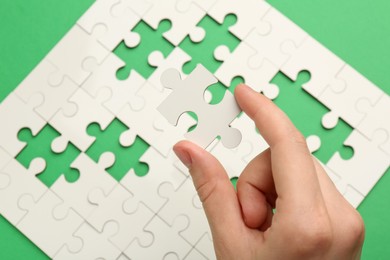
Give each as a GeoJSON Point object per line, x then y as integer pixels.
{"type": "Point", "coordinates": [355, 229]}
{"type": "Point", "coordinates": [314, 241]}
{"type": "Point", "coordinates": [313, 238]}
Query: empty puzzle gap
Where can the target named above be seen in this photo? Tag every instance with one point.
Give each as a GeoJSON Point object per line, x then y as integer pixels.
{"type": "Point", "coordinates": [126, 158]}
{"type": "Point", "coordinates": [203, 51]}
{"type": "Point", "coordinates": [307, 118]}
{"type": "Point", "coordinates": [39, 146]}
{"type": "Point", "coordinates": [137, 58]}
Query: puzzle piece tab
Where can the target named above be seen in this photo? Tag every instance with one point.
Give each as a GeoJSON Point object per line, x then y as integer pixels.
{"type": "Point", "coordinates": [50, 224]}
{"type": "Point", "coordinates": [15, 115]}
{"type": "Point", "coordinates": [188, 96]}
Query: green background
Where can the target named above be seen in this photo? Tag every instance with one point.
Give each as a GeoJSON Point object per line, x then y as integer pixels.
{"type": "Point", "coordinates": [356, 30]}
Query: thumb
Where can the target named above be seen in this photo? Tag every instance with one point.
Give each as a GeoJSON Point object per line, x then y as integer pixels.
{"type": "Point", "coordinates": [214, 188]}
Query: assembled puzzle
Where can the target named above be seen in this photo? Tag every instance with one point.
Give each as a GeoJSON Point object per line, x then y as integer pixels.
{"type": "Point", "coordinates": [87, 169]}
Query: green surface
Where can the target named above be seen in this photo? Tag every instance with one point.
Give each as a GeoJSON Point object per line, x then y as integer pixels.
{"type": "Point", "coordinates": [306, 113]}
{"type": "Point", "coordinates": [137, 58]}
{"type": "Point", "coordinates": [126, 158]}
{"type": "Point", "coordinates": [57, 164]}
{"type": "Point", "coordinates": [215, 35]}
{"type": "Point", "coordinates": [356, 30]}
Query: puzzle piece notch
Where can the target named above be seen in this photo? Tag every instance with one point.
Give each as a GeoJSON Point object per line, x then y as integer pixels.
{"type": "Point", "coordinates": [322, 64]}
{"type": "Point", "coordinates": [184, 5]}
{"type": "Point", "coordinates": [274, 39]}
{"type": "Point", "coordinates": [70, 54]}
{"type": "Point", "coordinates": [42, 97]}
{"type": "Point", "coordinates": [117, 207]}
{"type": "Point", "coordinates": [121, 91]}
{"type": "Point", "coordinates": [92, 176]}
{"type": "Point", "coordinates": [15, 181]}
{"type": "Point", "coordinates": [150, 124]}
{"type": "Point", "coordinates": [365, 168]}
{"type": "Point", "coordinates": [376, 125]}
{"type": "Point", "coordinates": [352, 195]}
{"type": "Point", "coordinates": [182, 21]}
{"type": "Point", "coordinates": [96, 245]}
{"type": "Point", "coordinates": [184, 201]}
{"type": "Point", "coordinates": [57, 162]}
{"type": "Point", "coordinates": [161, 170]}
{"type": "Point", "coordinates": [176, 59]}
{"type": "Point", "coordinates": [73, 127]}
{"type": "Point", "coordinates": [15, 115]}
{"type": "Point", "coordinates": [123, 143]}
{"type": "Point", "coordinates": [342, 98]}
{"type": "Point", "coordinates": [248, 14]}
{"type": "Point", "coordinates": [205, 246]}
{"type": "Point", "coordinates": [236, 63]}
{"type": "Point", "coordinates": [204, 39]}
{"type": "Point", "coordinates": [50, 218]}
{"type": "Point", "coordinates": [109, 24]}
{"type": "Point", "coordinates": [166, 244]}
{"type": "Point", "coordinates": [188, 95]}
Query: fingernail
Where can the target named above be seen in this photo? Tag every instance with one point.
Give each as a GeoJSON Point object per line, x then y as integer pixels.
{"type": "Point", "coordinates": [184, 157]}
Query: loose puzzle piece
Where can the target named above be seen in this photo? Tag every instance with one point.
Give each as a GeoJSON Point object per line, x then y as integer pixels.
{"type": "Point", "coordinates": [110, 24]}
{"type": "Point", "coordinates": [121, 91]}
{"type": "Point", "coordinates": [71, 53]}
{"type": "Point", "coordinates": [184, 201]}
{"type": "Point", "coordinates": [150, 124]}
{"type": "Point", "coordinates": [73, 126]}
{"type": "Point", "coordinates": [366, 166]}
{"type": "Point", "coordinates": [214, 35]}
{"type": "Point", "coordinates": [44, 98]}
{"type": "Point", "coordinates": [15, 115]}
{"type": "Point", "coordinates": [137, 58]}
{"type": "Point", "coordinates": [50, 224]}
{"type": "Point", "coordinates": [123, 143]}
{"type": "Point", "coordinates": [342, 99]}
{"type": "Point", "coordinates": [161, 170]}
{"type": "Point", "coordinates": [41, 146]}
{"type": "Point", "coordinates": [15, 181]}
{"type": "Point", "coordinates": [92, 176]}
{"type": "Point", "coordinates": [188, 96]}
{"type": "Point", "coordinates": [96, 245]}
{"type": "Point", "coordinates": [248, 14]}
{"type": "Point", "coordinates": [166, 244]}
{"type": "Point", "coordinates": [235, 160]}
{"type": "Point", "coordinates": [182, 21]}
{"type": "Point", "coordinates": [117, 207]}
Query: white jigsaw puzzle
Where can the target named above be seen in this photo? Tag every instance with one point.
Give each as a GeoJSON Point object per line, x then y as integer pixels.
{"type": "Point", "coordinates": [159, 215]}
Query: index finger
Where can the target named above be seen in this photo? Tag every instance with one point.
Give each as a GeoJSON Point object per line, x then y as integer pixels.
{"type": "Point", "coordinates": [292, 165]}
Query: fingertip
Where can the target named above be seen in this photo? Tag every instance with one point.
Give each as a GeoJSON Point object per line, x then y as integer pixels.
{"type": "Point", "coordinates": [181, 150]}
